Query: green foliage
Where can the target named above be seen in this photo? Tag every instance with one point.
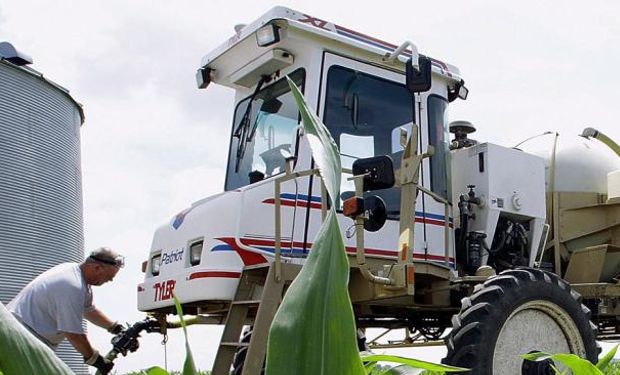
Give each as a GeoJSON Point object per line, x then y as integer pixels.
{"type": "Point", "coordinates": [411, 364]}
{"type": "Point", "coordinates": [604, 362]}
{"type": "Point", "coordinates": [612, 369]}
{"type": "Point", "coordinates": [579, 365]}
{"type": "Point", "coordinates": [23, 353]}
{"type": "Point", "coordinates": [156, 371]}
{"type": "Point", "coordinates": [189, 368]}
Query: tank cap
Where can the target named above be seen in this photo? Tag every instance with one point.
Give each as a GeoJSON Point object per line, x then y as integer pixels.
{"type": "Point", "coordinates": [461, 126]}
{"type": "Point", "coordinates": [9, 53]}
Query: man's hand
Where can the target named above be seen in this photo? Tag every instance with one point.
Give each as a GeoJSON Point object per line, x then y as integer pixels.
{"type": "Point", "coordinates": [116, 328]}
{"type": "Point", "coordinates": [101, 363]}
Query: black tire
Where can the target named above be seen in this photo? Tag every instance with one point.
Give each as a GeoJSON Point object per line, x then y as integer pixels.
{"type": "Point", "coordinates": [540, 312]}
{"type": "Point", "coordinates": [241, 353]}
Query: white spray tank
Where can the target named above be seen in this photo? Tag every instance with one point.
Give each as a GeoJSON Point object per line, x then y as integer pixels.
{"type": "Point", "coordinates": [582, 175]}
{"type": "Point", "coordinates": [581, 164]}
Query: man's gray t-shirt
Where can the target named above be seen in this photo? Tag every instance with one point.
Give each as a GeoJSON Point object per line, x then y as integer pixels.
{"type": "Point", "coordinates": [54, 302]}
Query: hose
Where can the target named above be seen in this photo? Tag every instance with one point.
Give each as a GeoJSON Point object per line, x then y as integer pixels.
{"type": "Point", "coordinates": [593, 133]}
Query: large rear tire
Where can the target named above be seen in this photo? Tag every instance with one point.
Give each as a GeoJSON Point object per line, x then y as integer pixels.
{"type": "Point", "coordinates": [515, 313]}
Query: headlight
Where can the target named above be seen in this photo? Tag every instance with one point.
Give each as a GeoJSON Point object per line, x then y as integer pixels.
{"type": "Point", "coordinates": [155, 264]}
{"type": "Point", "coordinates": [267, 35]}
{"type": "Point", "coordinates": [195, 253]}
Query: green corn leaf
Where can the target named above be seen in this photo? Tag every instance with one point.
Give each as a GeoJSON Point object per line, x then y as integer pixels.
{"type": "Point", "coordinates": [573, 362]}
{"type": "Point", "coordinates": [412, 364]}
{"type": "Point", "coordinates": [324, 149]}
{"type": "Point", "coordinates": [189, 368]}
{"type": "Point", "coordinates": [313, 332]}
{"type": "Point", "coordinates": [370, 368]}
{"type": "Point", "coordinates": [576, 364]}
{"type": "Point", "coordinates": [156, 371]}
{"type": "Point", "coordinates": [22, 353]}
{"type": "Point", "coordinates": [604, 362]}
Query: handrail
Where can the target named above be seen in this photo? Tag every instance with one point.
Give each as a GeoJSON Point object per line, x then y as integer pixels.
{"type": "Point", "coordinates": [288, 175]}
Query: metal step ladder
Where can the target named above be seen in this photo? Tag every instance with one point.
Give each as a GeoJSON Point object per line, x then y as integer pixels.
{"type": "Point", "coordinates": [256, 301]}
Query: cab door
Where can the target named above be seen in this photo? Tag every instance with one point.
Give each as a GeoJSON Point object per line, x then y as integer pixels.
{"type": "Point", "coordinates": [364, 106]}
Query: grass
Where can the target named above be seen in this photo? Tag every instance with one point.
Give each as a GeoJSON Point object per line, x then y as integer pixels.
{"type": "Point", "coordinates": [613, 368]}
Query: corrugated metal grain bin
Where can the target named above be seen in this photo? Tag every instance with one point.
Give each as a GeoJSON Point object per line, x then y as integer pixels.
{"type": "Point", "coordinates": [40, 180]}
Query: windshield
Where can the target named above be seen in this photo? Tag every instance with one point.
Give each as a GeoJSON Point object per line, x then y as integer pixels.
{"type": "Point", "coordinates": [364, 114]}
{"type": "Point", "coordinates": [264, 135]}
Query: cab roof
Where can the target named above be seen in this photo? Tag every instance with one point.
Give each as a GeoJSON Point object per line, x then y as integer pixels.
{"type": "Point", "coordinates": [325, 29]}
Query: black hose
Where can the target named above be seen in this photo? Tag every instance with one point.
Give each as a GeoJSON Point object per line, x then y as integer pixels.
{"type": "Point", "coordinates": [464, 211]}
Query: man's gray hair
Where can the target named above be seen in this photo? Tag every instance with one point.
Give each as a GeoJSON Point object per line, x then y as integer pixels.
{"type": "Point", "coordinates": [105, 255]}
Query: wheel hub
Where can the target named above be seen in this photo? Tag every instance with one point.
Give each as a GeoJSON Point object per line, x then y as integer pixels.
{"type": "Point", "coordinates": [537, 367]}
{"type": "Point", "coordinates": [535, 326]}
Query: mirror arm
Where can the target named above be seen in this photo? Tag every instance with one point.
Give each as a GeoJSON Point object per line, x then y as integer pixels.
{"type": "Point", "coordinates": [390, 57]}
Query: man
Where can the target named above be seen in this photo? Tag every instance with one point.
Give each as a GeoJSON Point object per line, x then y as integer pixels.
{"type": "Point", "coordinates": [54, 304]}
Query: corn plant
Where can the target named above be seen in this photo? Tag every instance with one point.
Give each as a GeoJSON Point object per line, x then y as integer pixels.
{"type": "Point", "coordinates": [578, 365]}
{"type": "Point", "coordinates": [316, 312]}
{"type": "Point", "coordinates": [22, 353]}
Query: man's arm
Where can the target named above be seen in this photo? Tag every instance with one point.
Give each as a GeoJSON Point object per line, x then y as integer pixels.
{"type": "Point", "coordinates": [81, 344]}
{"type": "Point", "coordinates": [91, 356]}
{"type": "Point", "coordinates": [98, 318]}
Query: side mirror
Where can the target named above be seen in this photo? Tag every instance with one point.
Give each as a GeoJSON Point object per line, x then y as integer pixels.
{"type": "Point", "coordinates": [271, 106]}
{"type": "Point", "coordinates": [419, 80]}
{"type": "Point", "coordinates": [256, 176]}
{"type": "Point", "coordinates": [378, 171]}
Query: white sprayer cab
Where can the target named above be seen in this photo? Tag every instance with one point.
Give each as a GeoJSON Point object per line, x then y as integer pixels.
{"type": "Point", "coordinates": [357, 86]}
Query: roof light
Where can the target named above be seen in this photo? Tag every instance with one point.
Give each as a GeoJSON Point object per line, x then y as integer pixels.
{"type": "Point", "coordinates": [204, 76]}
{"type": "Point", "coordinates": [268, 35]}
{"type": "Point", "coordinates": [463, 92]}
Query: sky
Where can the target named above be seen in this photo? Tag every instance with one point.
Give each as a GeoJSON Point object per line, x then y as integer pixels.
{"type": "Point", "coordinates": [152, 143]}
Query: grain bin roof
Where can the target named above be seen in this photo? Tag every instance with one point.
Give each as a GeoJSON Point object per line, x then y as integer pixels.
{"type": "Point", "coordinates": [40, 76]}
